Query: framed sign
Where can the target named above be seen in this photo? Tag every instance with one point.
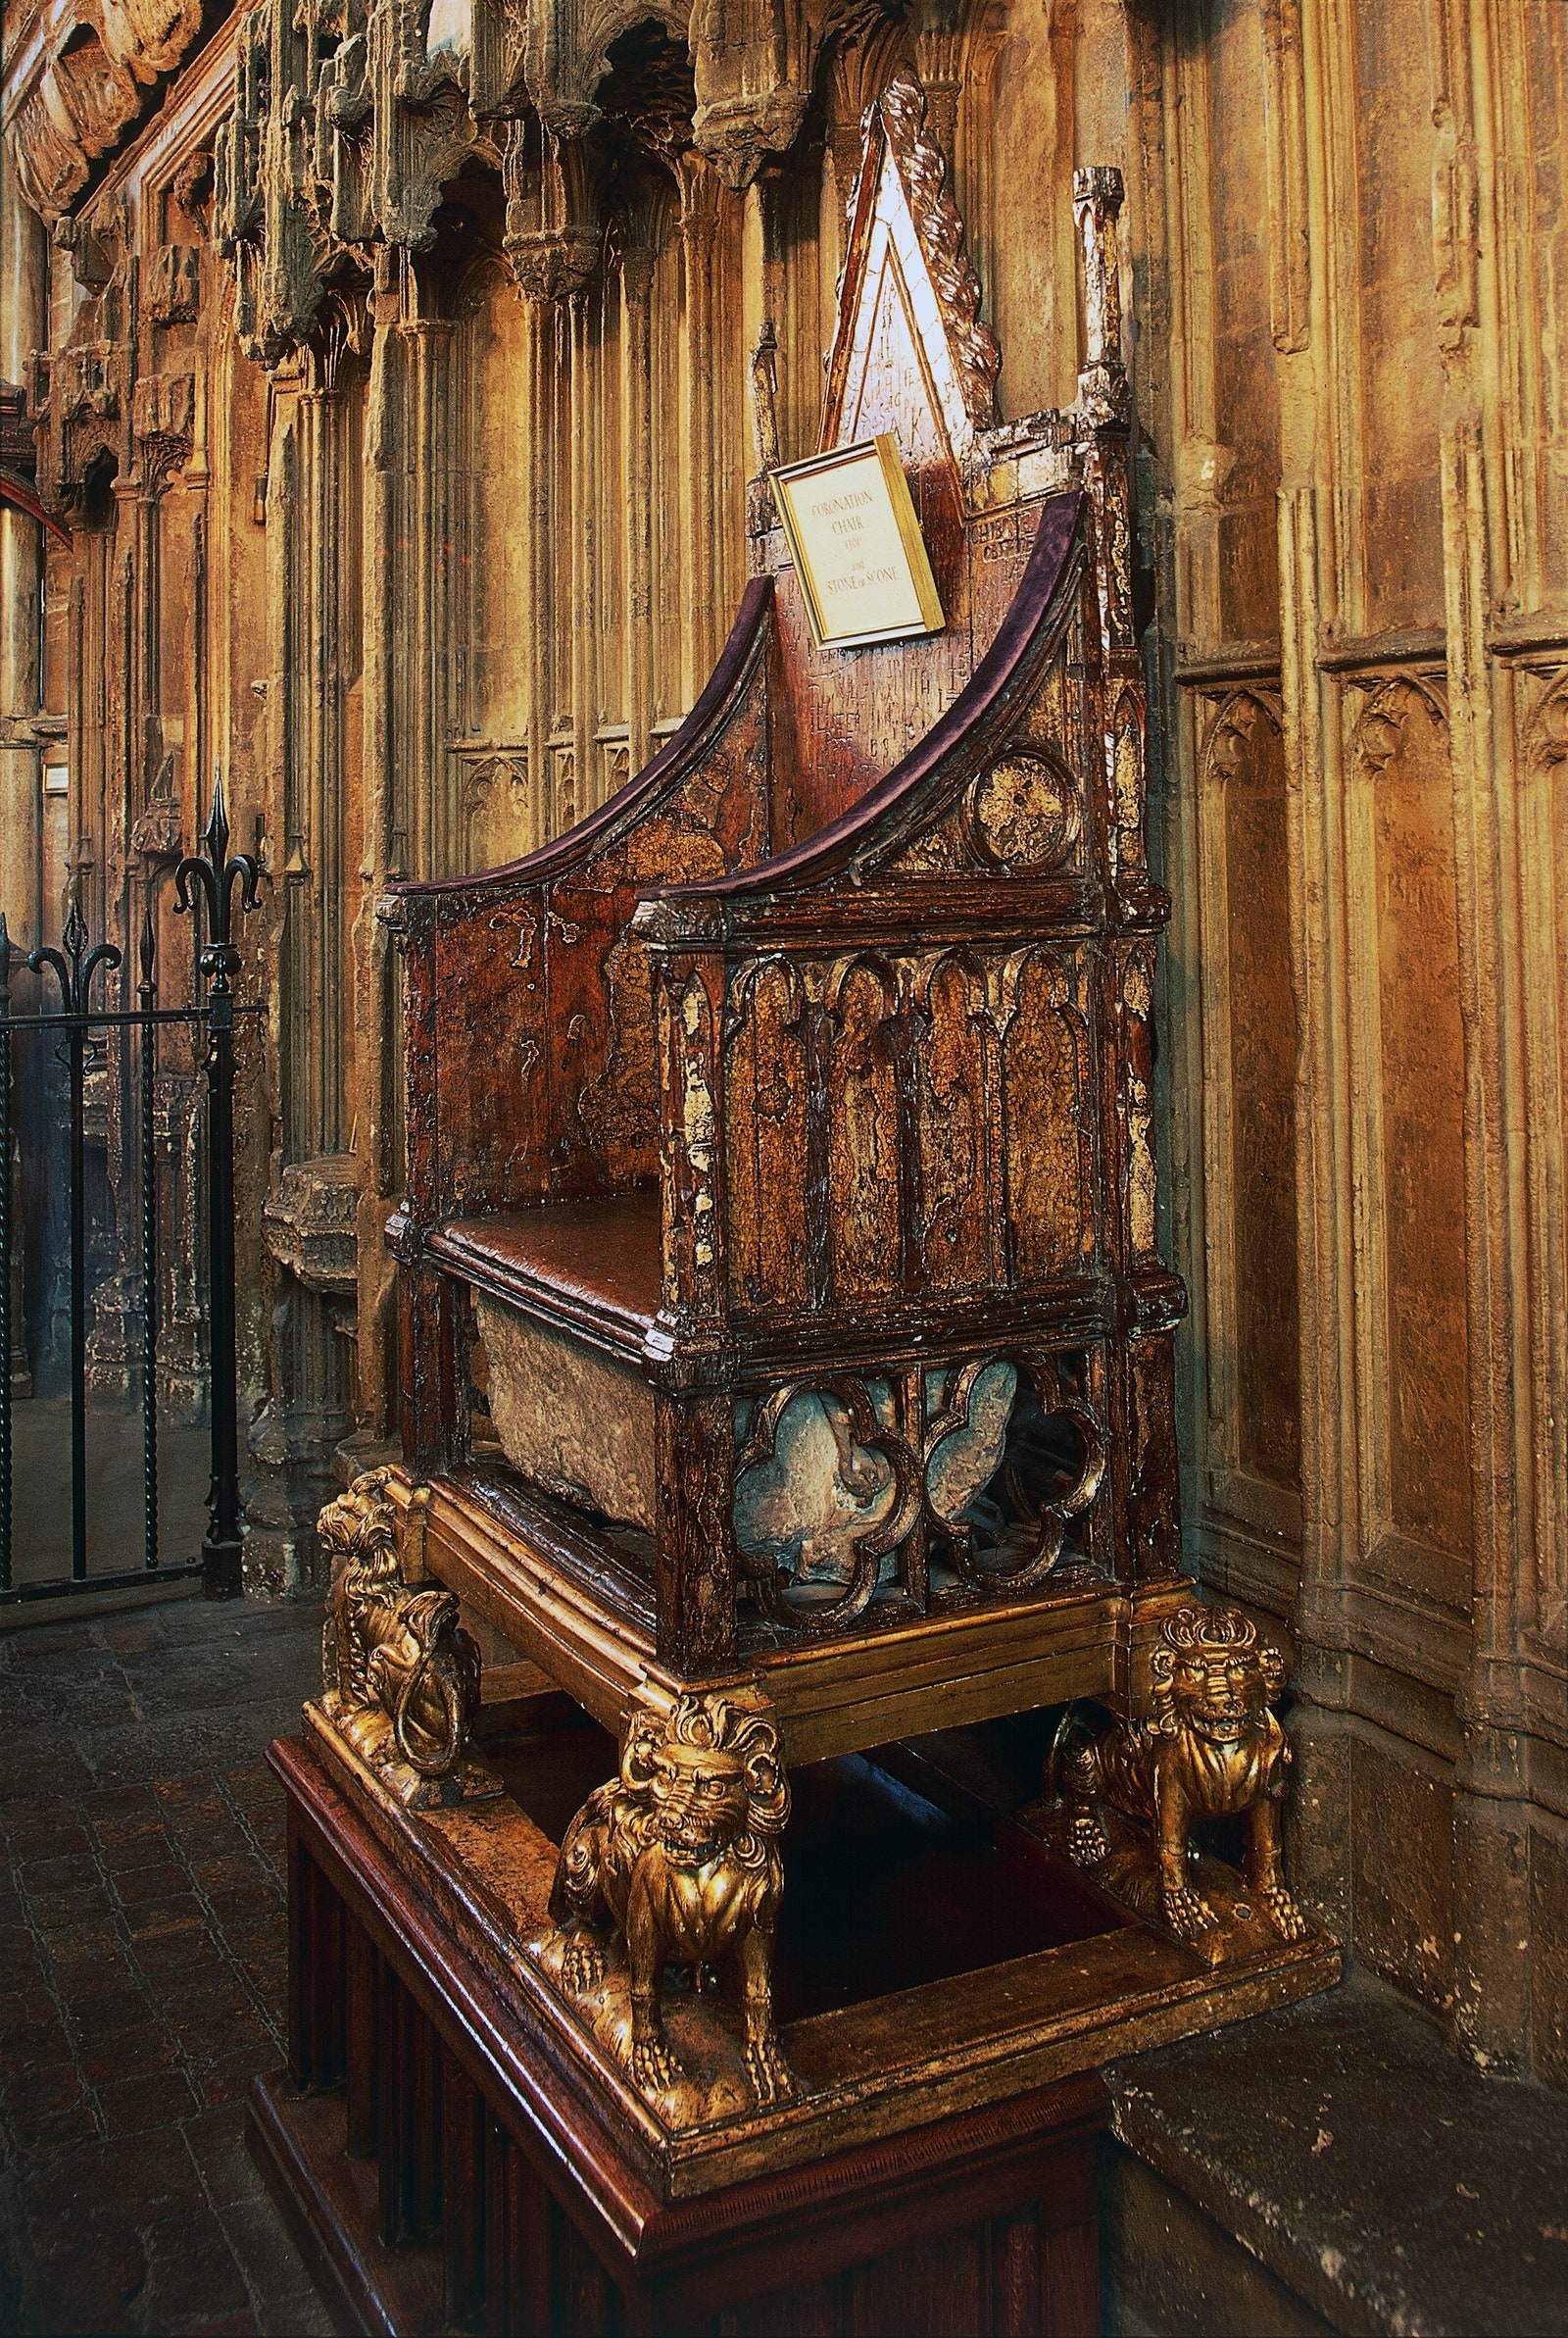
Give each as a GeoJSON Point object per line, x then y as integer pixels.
{"type": "Point", "coordinates": [859, 551]}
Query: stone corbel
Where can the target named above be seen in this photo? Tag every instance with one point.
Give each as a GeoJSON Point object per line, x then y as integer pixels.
{"type": "Point", "coordinates": [162, 426]}
{"type": "Point", "coordinates": [752, 61]}
{"type": "Point", "coordinates": [310, 1223]}
{"type": "Point", "coordinates": [555, 232]}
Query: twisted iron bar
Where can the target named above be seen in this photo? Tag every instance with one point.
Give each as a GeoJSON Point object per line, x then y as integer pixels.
{"type": "Point", "coordinates": [147, 994]}
{"type": "Point", "coordinates": [210, 878]}
{"type": "Point", "coordinates": [73, 969]}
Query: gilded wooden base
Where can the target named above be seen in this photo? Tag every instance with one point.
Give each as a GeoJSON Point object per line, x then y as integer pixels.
{"type": "Point", "coordinates": [451, 2152]}
{"type": "Point", "coordinates": [540, 1576]}
{"type": "Point", "coordinates": [873, 2066]}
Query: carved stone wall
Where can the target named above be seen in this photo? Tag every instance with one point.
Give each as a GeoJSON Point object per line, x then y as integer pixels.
{"type": "Point", "coordinates": [395, 378]}
{"type": "Point", "coordinates": [1355, 483]}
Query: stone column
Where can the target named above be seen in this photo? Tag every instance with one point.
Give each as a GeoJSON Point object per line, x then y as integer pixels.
{"type": "Point", "coordinates": [24, 328]}
{"type": "Point", "coordinates": [636, 282]}
{"type": "Point", "coordinates": [535, 407]}
{"type": "Point", "coordinates": [588, 787]}
{"type": "Point", "coordinates": [698, 227]}
{"type": "Point", "coordinates": [23, 279]}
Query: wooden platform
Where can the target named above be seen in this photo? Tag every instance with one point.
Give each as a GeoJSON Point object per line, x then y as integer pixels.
{"type": "Point", "coordinates": [453, 2147]}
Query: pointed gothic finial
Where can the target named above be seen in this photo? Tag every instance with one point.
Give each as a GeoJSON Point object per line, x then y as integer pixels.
{"type": "Point", "coordinates": [75, 936]}
{"type": "Point", "coordinates": [215, 877]}
{"type": "Point", "coordinates": [1103, 398]}
{"type": "Point", "coordinates": [216, 834]}
{"type": "Point", "coordinates": [147, 952]}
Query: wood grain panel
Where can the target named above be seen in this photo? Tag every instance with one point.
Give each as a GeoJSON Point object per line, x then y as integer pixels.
{"type": "Point", "coordinates": [863, 1138]}
{"type": "Point", "coordinates": [490, 1078]}
{"type": "Point", "coordinates": [1043, 1073]}
{"type": "Point", "coordinates": [952, 1115]}
{"type": "Point", "coordinates": [766, 1135]}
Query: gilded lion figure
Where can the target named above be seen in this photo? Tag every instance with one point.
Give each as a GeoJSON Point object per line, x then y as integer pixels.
{"type": "Point", "coordinates": [404, 1683]}
{"type": "Point", "coordinates": [1211, 1750]}
{"type": "Point", "coordinates": [679, 1855]}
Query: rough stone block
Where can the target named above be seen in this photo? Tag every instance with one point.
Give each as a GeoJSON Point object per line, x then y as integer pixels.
{"type": "Point", "coordinates": [577, 1423]}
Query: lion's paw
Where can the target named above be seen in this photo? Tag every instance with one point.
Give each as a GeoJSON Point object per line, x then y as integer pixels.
{"type": "Point", "coordinates": [653, 2066]}
{"type": "Point", "coordinates": [1086, 1841]}
{"type": "Point", "coordinates": [1187, 1911]}
{"type": "Point", "coordinates": [772, 2079]}
{"type": "Point", "coordinates": [582, 1963]}
{"type": "Point", "coordinates": [1283, 1911]}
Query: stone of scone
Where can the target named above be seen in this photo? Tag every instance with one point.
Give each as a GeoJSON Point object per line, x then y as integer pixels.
{"type": "Point", "coordinates": [574, 1422]}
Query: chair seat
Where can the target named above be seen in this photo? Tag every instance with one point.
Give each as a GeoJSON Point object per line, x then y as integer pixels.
{"type": "Point", "coordinates": [592, 1267]}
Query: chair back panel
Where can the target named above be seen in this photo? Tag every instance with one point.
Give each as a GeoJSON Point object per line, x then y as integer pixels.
{"type": "Point", "coordinates": [909, 356]}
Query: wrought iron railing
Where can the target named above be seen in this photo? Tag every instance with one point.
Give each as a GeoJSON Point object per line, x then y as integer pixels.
{"type": "Point", "coordinates": [205, 885]}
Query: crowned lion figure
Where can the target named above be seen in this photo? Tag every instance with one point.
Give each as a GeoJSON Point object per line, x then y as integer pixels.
{"type": "Point", "coordinates": [679, 1857]}
{"type": "Point", "coordinates": [402, 1675]}
{"type": "Point", "coordinates": [1212, 1749]}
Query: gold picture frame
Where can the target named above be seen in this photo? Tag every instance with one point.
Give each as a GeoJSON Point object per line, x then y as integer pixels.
{"type": "Point", "coordinates": [850, 526]}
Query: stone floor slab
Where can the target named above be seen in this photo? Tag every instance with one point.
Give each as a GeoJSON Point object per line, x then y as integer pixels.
{"type": "Point", "coordinates": [142, 1935]}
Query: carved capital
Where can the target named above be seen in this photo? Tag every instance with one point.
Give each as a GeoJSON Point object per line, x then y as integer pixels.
{"type": "Point", "coordinates": [163, 425]}
{"type": "Point", "coordinates": [555, 231]}
{"type": "Point", "coordinates": [738, 131]}
{"type": "Point", "coordinates": [310, 1223]}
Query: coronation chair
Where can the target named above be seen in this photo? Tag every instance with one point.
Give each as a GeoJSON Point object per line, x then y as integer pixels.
{"type": "Point", "coordinates": [779, 1287]}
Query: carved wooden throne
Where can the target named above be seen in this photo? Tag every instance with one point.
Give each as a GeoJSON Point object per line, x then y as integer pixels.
{"type": "Point", "coordinates": [778, 1273]}
{"type": "Point", "coordinates": [786, 1373]}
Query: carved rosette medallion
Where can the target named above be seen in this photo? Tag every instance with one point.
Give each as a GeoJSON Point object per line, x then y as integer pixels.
{"type": "Point", "coordinates": [675, 1864]}
{"type": "Point", "coordinates": [1024, 814]}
